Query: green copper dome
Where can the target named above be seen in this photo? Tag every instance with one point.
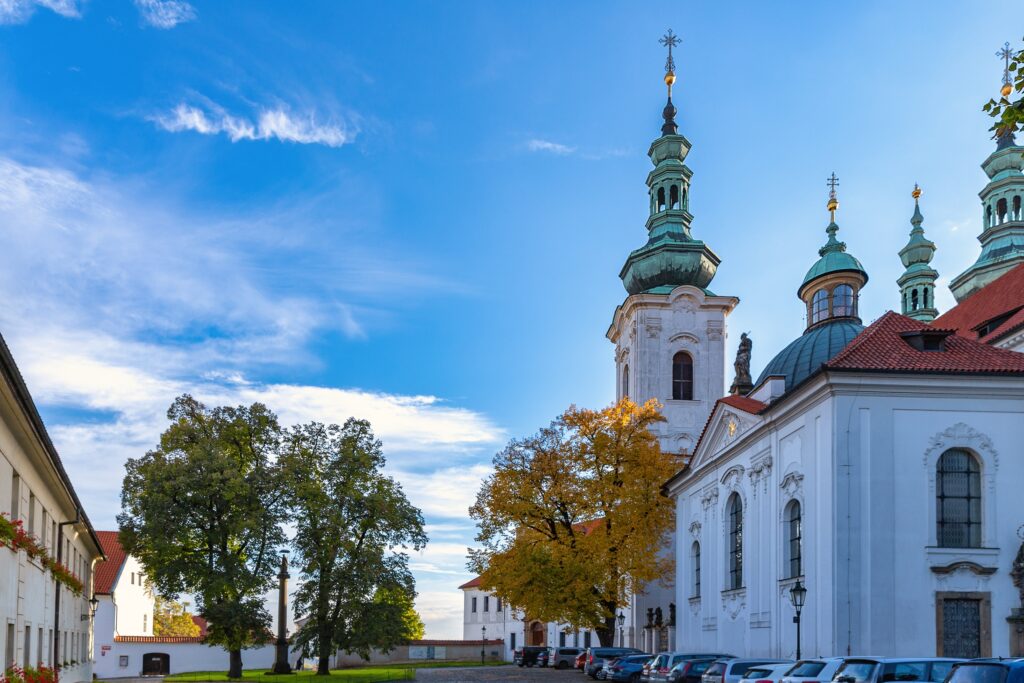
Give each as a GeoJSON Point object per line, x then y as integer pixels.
{"type": "Point", "coordinates": [834, 259]}
{"type": "Point", "coordinates": [810, 351]}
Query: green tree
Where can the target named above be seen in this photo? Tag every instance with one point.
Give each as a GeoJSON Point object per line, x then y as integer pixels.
{"type": "Point", "coordinates": [203, 514]}
{"type": "Point", "coordinates": [172, 618]}
{"type": "Point", "coordinates": [572, 520]}
{"type": "Point", "coordinates": [1009, 113]}
{"type": "Point", "coordinates": [412, 624]}
{"type": "Point", "coordinates": [351, 522]}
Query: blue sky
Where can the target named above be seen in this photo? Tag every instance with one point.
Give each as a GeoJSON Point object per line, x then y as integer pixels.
{"type": "Point", "coordinates": [416, 213]}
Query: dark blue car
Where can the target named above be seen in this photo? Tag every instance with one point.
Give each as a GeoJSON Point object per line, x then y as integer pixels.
{"type": "Point", "coordinates": [627, 668]}
{"type": "Point", "coordinates": [988, 671]}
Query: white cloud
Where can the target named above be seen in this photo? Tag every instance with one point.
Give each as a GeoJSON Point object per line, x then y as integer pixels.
{"type": "Point", "coordinates": [538, 145]}
{"type": "Point", "coordinates": [165, 13]}
{"type": "Point", "coordinates": [277, 123]}
{"type": "Point", "coordinates": [18, 11]}
{"type": "Point", "coordinates": [446, 493]}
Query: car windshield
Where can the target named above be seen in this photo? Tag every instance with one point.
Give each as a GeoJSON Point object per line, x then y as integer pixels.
{"type": "Point", "coordinates": [758, 672]}
{"type": "Point", "coordinates": [741, 668]}
{"type": "Point", "coordinates": [905, 671]}
{"type": "Point", "coordinates": [979, 673]}
{"type": "Point", "coordinates": [855, 672]}
{"type": "Point", "coordinates": [806, 669]}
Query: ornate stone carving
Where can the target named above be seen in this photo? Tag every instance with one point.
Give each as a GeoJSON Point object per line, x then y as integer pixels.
{"type": "Point", "coordinates": [695, 529]}
{"type": "Point", "coordinates": [760, 469]}
{"type": "Point", "coordinates": [964, 565]}
{"type": "Point", "coordinates": [734, 602]}
{"type": "Point", "coordinates": [709, 497]}
{"type": "Point", "coordinates": [961, 435]}
{"type": "Point", "coordinates": [1017, 572]}
{"type": "Point", "coordinates": [652, 326]}
{"type": "Point", "coordinates": [791, 483]}
{"type": "Point", "coordinates": [732, 477]}
{"type": "Point", "coordinates": [684, 337]}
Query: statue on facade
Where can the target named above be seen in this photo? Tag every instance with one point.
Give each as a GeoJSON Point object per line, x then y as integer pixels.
{"type": "Point", "coordinates": [650, 616]}
{"type": "Point", "coordinates": [742, 384]}
{"type": "Point", "coordinates": [1017, 574]}
{"type": "Point", "coordinates": [657, 616]}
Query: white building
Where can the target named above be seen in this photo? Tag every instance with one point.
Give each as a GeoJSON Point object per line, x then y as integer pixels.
{"type": "Point", "coordinates": [877, 467]}
{"type": "Point", "coordinates": [125, 608]}
{"type": "Point", "coordinates": [42, 621]}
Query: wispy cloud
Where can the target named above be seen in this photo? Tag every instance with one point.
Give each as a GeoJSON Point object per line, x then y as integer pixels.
{"type": "Point", "coordinates": [19, 11]}
{"type": "Point", "coordinates": [274, 123]}
{"type": "Point", "coordinates": [165, 14]}
{"type": "Point", "coordinates": [538, 145]}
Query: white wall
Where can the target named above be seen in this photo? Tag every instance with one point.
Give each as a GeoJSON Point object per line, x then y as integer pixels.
{"type": "Point", "coordinates": [184, 657]}
{"type": "Point", "coordinates": [133, 602]}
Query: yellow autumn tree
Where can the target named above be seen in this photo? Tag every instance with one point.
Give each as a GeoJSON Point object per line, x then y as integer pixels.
{"type": "Point", "coordinates": [572, 520]}
{"type": "Point", "coordinates": [172, 618]}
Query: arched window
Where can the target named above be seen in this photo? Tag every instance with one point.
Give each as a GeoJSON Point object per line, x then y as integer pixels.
{"type": "Point", "coordinates": [1017, 209]}
{"type": "Point", "coordinates": [735, 542]}
{"type": "Point", "coordinates": [625, 380]}
{"type": "Point", "coordinates": [842, 301]}
{"type": "Point", "coordinates": [673, 197]}
{"type": "Point", "coordinates": [794, 536]}
{"type": "Point", "coordinates": [695, 569]}
{"type": "Point", "coordinates": [924, 297]}
{"type": "Point", "coordinates": [686, 200]}
{"type": "Point", "coordinates": [958, 500]}
{"type": "Point", "coordinates": [1001, 210]}
{"type": "Point", "coordinates": [988, 216]}
{"type": "Point", "coordinates": [661, 199]}
{"type": "Point", "coordinates": [914, 304]}
{"type": "Point", "coordinates": [682, 377]}
{"type": "Point", "coordinates": [819, 306]}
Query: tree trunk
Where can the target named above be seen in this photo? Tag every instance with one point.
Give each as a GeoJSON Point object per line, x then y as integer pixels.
{"type": "Point", "coordinates": [322, 668]}
{"type": "Point", "coordinates": [235, 667]}
{"type": "Point", "coordinates": [606, 632]}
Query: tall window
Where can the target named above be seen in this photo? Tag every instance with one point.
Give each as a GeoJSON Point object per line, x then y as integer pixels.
{"type": "Point", "coordinates": [487, 603]}
{"type": "Point", "coordinates": [794, 536]}
{"type": "Point", "coordinates": [497, 607]}
{"type": "Point", "coordinates": [625, 380]}
{"type": "Point", "coordinates": [958, 500]}
{"type": "Point", "coordinates": [842, 301]}
{"type": "Point", "coordinates": [661, 199]}
{"type": "Point", "coordinates": [735, 542]}
{"type": "Point", "coordinates": [695, 563]}
{"type": "Point", "coordinates": [15, 498]}
{"type": "Point", "coordinates": [1001, 210]}
{"type": "Point", "coordinates": [673, 197]}
{"type": "Point", "coordinates": [682, 377]}
{"type": "Point", "coordinates": [473, 605]}
{"type": "Point", "coordinates": [819, 306]}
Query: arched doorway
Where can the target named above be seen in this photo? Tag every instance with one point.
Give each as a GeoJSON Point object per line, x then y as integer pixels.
{"type": "Point", "coordinates": [156, 664]}
{"type": "Point", "coordinates": [538, 633]}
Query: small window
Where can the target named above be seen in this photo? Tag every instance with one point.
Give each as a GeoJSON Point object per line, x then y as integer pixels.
{"type": "Point", "coordinates": [145, 622]}
{"type": "Point", "coordinates": [512, 642]}
{"type": "Point", "coordinates": [915, 304]}
{"type": "Point", "coordinates": [32, 513]}
{"type": "Point", "coordinates": [735, 542]}
{"type": "Point", "coordinates": [497, 607]}
{"type": "Point", "coordinates": [586, 639]}
{"type": "Point", "coordinates": [819, 306]}
{"type": "Point", "coordinates": [682, 377]}
{"type": "Point", "coordinates": [794, 536]}
{"type": "Point", "coordinates": [473, 607]}
{"type": "Point", "coordinates": [561, 639]}
{"type": "Point", "coordinates": [625, 381]}
{"type": "Point", "coordinates": [661, 199]}
{"type": "Point", "coordinates": [487, 603]}
{"type": "Point", "coordinates": [673, 196]}
{"type": "Point", "coordinates": [1001, 210]}
{"type": "Point", "coordinates": [842, 301]}
{"type": "Point", "coordinates": [988, 216]}
{"type": "Point", "coordinates": [1017, 209]}
{"type": "Point", "coordinates": [15, 496]}
{"type": "Point", "coordinates": [958, 500]}
{"type": "Point", "coordinates": [695, 564]}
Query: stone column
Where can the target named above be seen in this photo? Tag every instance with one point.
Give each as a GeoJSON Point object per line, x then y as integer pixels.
{"type": "Point", "coordinates": [281, 665]}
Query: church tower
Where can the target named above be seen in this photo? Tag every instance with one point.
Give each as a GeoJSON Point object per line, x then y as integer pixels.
{"type": "Point", "coordinates": [1002, 234]}
{"type": "Point", "coordinates": [669, 333]}
{"type": "Point", "coordinates": [917, 284]}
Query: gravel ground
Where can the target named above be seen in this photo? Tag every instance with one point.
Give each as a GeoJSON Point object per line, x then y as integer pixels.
{"type": "Point", "coordinates": [499, 673]}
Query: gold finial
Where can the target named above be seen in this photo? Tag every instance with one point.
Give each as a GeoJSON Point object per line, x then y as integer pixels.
{"type": "Point", "coordinates": [1005, 54]}
{"type": "Point", "coordinates": [916, 194]}
{"type": "Point", "coordinates": [670, 40]}
{"type": "Point", "coordinates": [833, 201]}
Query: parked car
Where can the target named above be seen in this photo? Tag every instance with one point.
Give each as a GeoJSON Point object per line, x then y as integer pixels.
{"type": "Point", "coordinates": [528, 655]}
{"type": "Point", "coordinates": [813, 670]}
{"type": "Point", "coordinates": [988, 671]}
{"type": "Point", "coordinates": [626, 668]}
{"type": "Point", "coordinates": [544, 657]}
{"type": "Point", "coordinates": [565, 657]}
{"type": "Point", "coordinates": [597, 655]}
{"type": "Point", "coordinates": [581, 660]}
{"type": "Point", "coordinates": [767, 673]}
{"type": "Point", "coordinates": [689, 671]}
{"type": "Point", "coordinates": [884, 669]}
{"type": "Point", "coordinates": [732, 670]}
{"type": "Point", "coordinates": [660, 667]}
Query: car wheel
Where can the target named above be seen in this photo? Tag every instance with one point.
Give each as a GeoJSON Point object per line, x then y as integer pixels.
{"type": "Point", "coordinates": [635, 678]}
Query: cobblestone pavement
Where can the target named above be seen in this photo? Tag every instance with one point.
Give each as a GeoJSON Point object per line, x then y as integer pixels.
{"type": "Point", "coordinates": [499, 673]}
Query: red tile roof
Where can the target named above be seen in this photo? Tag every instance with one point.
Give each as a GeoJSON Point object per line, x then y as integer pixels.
{"type": "Point", "coordinates": [1004, 295]}
{"type": "Point", "coordinates": [747, 405]}
{"type": "Point", "coordinates": [107, 570]}
{"type": "Point", "coordinates": [204, 627]}
{"type": "Point", "coordinates": [881, 347]}
{"type": "Point", "coordinates": [472, 583]}
{"type": "Point", "coordinates": [158, 639]}
{"type": "Point", "coordinates": [489, 641]}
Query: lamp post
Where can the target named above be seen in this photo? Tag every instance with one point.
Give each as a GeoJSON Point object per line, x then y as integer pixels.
{"type": "Point", "coordinates": [281, 665]}
{"type": "Point", "coordinates": [797, 596]}
{"type": "Point", "coordinates": [622, 620]}
{"type": "Point", "coordinates": [94, 604]}
{"type": "Point", "coordinates": [483, 645]}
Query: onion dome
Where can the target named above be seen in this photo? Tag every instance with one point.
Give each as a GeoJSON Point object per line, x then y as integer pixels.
{"type": "Point", "coordinates": [808, 352]}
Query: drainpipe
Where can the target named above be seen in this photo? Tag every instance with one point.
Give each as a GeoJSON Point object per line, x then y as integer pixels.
{"type": "Point", "coordinates": [56, 597]}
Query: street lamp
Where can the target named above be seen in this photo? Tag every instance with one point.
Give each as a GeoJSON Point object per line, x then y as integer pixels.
{"type": "Point", "coordinates": [797, 596]}
{"type": "Point", "coordinates": [94, 604]}
{"type": "Point", "coordinates": [483, 644]}
{"type": "Point", "coordinates": [621, 620]}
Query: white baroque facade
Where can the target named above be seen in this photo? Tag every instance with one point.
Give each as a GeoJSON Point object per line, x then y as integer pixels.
{"type": "Point", "coordinates": [35, 489]}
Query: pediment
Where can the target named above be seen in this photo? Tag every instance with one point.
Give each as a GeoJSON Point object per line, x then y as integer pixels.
{"type": "Point", "coordinates": [726, 427]}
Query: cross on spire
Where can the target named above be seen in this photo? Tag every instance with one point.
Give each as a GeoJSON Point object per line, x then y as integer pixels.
{"type": "Point", "coordinates": [671, 40]}
{"type": "Point", "coordinates": [833, 202]}
{"type": "Point", "coordinates": [1005, 54]}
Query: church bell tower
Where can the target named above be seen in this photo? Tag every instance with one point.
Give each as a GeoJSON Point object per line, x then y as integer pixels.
{"type": "Point", "coordinates": [669, 333]}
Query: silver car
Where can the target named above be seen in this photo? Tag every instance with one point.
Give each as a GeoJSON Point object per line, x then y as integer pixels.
{"type": "Point", "coordinates": [886, 669]}
{"type": "Point", "coordinates": [767, 673]}
{"type": "Point", "coordinates": [813, 670]}
{"type": "Point", "coordinates": [732, 670]}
